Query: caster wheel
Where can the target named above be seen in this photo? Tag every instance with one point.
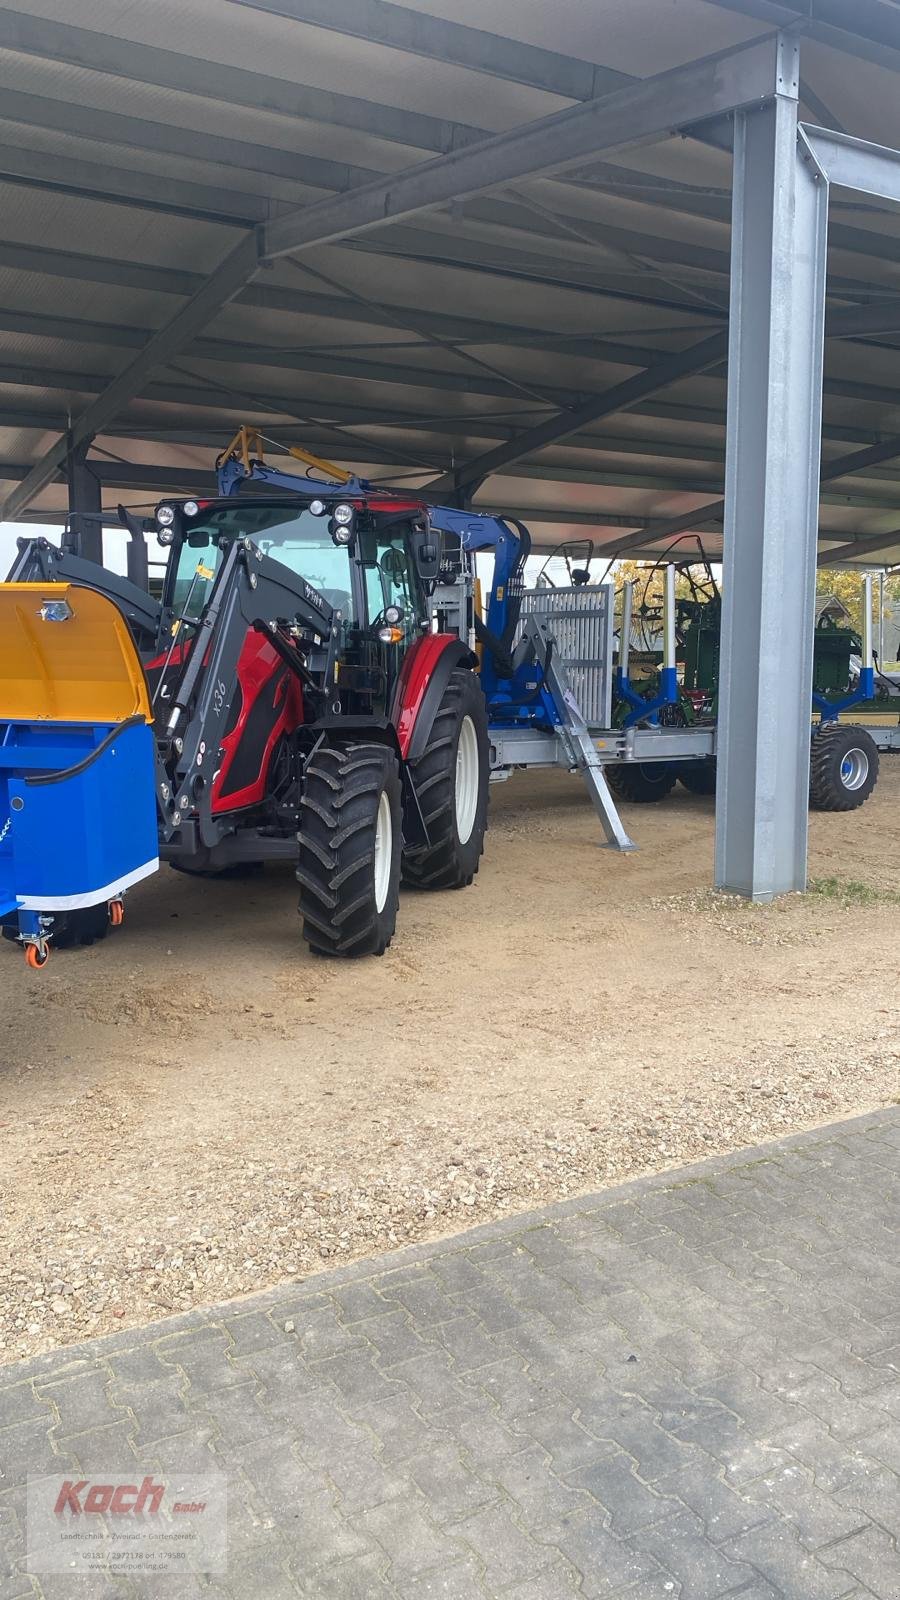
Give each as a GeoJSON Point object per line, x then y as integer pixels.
{"type": "Point", "coordinates": [36, 956]}
{"type": "Point", "coordinates": [116, 913]}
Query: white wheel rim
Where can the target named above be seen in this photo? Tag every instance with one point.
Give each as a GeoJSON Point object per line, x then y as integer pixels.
{"type": "Point", "coordinates": [854, 769]}
{"type": "Point", "coordinates": [468, 772]}
{"type": "Point", "coordinates": [384, 851]}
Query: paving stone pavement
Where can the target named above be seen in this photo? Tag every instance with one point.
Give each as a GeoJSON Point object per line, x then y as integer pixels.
{"type": "Point", "coordinates": [683, 1388]}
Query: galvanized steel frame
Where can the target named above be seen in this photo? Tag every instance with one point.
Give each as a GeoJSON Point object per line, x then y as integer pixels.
{"type": "Point", "coordinates": [783, 171]}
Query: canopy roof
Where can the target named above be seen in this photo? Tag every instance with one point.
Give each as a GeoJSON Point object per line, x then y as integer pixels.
{"type": "Point", "coordinates": [143, 146]}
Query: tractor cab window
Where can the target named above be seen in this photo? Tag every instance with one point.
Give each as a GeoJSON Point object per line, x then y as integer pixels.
{"type": "Point", "coordinates": [296, 538]}
{"type": "Point", "coordinates": [390, 576]}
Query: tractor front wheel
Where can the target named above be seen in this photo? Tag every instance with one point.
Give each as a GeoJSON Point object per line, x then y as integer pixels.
{"type": "Point", "coordinates": [349, 849]}
{"type": "Point", "coordinates": [642, 782]}
{"type": "Point", "coordinates": [843, 767]}
{"type": "Point", "coordinates": [450, 783]}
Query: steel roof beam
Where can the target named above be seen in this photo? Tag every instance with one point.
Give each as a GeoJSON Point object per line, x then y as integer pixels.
{"type": "Point", "coordinates": [846, 322]}
{"type": "Point", "coordinates": [865, 29]}
{"type": "Point", "coordinates": [144, 191]}
{"type": "Point", "coordinates": [234, 352]}
{"type": "Point", "coordinates": [871, 169]}
{"type": "Point", "coordinates": [216, 398]}
{"type": "Point", "coordinates": [170, 139]}
{"type": "Point", "coordinates": [418, 34]}
{"type": "Point", "coordinates": [640, 111]}
{"type": "Point", "coordinates": [106, 53]}
{"type": "Point", "coordinates": [644, 110]}
{"type": "Point", "coordinates": [237, 267]}
{"type": "Point", "coordinates": [135, 475]}
{"type": "Point", "coordinates": [841, 467]}
{"type": "Point", "coordinates": [242, 208]}
{"type": "Point", "coordinates": [481, 256]}
{"type": "Point", "coordinates": [654, 378]}
{"type": "Point", "coordinates": [688, 200]}
{"type": "Point", "coordinates": [856, 548]}
{"type": "Point", "coordinates": [300, 302]}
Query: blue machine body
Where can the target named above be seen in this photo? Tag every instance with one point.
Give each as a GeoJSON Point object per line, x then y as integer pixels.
{"type": "Point", "coordinates": [641, 708]}
{"type": "Point", "coordinates": [830, 710]}
{"type": "Point", "coordinates": [520, 695]}
{"type": "Point", "coordinates": [231, 473]}
{"type": "Point", "coordinates": [78, 820]}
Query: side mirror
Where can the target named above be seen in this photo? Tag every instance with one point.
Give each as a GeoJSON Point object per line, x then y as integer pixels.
{"type": "Point", "coordinates": [427, 554]}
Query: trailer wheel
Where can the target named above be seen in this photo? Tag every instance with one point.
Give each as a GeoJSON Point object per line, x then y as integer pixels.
{"type": "Point", "coordinates": [349, 849]}
{"type": "Point", "coordinates": [699, 777]}
{"type": "Point", "coordinates": [843, 767]}
{"type": "Point", "coordinates": [450, 781]}
{"type": "Point", "coordinates": [642, 782]}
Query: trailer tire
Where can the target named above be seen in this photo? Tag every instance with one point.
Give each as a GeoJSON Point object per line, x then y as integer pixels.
{"type": "Point", "coordinates": [699, 777]}
{"type": "Point", "coordinates": [349, 849]}
{"type": "Point", "coordinates": [843, 767]}
{"type": "Point", "coordinates": [450, 783]}
{"type": "Point", "coordinates": [642, 782]}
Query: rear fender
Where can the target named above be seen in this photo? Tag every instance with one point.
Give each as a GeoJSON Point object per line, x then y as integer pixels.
{"type": "Point", "coordinates": [420, 688]}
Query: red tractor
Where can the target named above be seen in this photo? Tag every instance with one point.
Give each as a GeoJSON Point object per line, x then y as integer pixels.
{"type": "Point", "coordinates": [305, 709]}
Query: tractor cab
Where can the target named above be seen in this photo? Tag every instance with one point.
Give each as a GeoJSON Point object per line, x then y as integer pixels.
{"type": "Point", "coordinates": [368, 557]}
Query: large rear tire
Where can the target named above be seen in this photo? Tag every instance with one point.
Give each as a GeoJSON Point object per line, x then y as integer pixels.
{"type": "Point", "coordinates": [450, 780]}
{"type": "Point", "coordinates": [349, 849]}
{"type": "Point", "coordinates": [699, 777]}
{"type": "Point", "coordinates": [642, 782]}
{"type": "Point", "coordinates": [843, 767]}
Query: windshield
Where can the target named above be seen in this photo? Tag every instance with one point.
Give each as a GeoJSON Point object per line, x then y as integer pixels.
{"type": "Point", "coordinates": [290, 535]}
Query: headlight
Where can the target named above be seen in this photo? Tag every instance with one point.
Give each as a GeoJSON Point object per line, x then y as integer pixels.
{"type": "Point", "coordinates": [317, 507]}
{"type": "Point", "coordinates": [393, 614]}
{"type": "Point", "coordinates": [55, 611]}
{"type": "Point", "coordinates": [190, 508]}
{"type": "Point", "coordinates": [343, 514]}
{"type": "Point", "coordinates": [339, 534]}
{"type": "Point", "coordinates": [165, 516]}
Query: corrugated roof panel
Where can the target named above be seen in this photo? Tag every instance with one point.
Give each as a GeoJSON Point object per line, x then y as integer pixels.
{"type": "Point", "coordinates": [212, 31]}
{"type": "Point", "coordinates": [640, 37]}
{"type": "Point", "coordinates": [298, 133]}
{"type": "Point", "coordinates": [44, 217]}
{"type": "Point", "coordinates": [190, 184]}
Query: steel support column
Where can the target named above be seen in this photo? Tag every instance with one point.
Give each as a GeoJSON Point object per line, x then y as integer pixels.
{"type": "Point", "coordinates": [779, 226]}
{"type": "Point", "coordinates": [85, 527]}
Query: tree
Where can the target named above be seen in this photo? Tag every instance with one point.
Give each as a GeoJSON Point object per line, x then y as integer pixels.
{"type": "Point", "coordinates": [848, 588]}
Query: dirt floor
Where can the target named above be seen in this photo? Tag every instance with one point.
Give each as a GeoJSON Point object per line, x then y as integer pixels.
{"type": "Point", "coordinates": [197, 1107]}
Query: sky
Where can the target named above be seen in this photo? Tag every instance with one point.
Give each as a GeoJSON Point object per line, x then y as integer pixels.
{"type": "Point", "coordinates": [114, 541]}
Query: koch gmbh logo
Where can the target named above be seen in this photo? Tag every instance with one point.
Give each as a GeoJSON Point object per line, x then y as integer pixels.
{"type": "Point", "coordinates": [110, 1522]}
{"type": "Point", "coordinates": [118, 1498]}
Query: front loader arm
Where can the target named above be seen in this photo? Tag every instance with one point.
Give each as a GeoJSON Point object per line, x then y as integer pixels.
{"type": "Point", "coordinates": [251, 590]}
{"type": "Point", "coordinates": [39, 561]}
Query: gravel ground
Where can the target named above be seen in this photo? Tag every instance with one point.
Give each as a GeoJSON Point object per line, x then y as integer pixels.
{"type": "Point", "coordinates": [197, 1108]}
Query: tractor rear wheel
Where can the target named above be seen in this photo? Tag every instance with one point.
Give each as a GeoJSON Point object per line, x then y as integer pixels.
{"type": "Point", "coordinates": [450, 781]}
{"type": "Point", "coordinates": [843, 767]}
{"type": "Point", "coordinates": [699, 777]}
{"type": "Point", "coordinates": [642, 782]}
{"type": "Point", "coordinates": [349, 849]}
